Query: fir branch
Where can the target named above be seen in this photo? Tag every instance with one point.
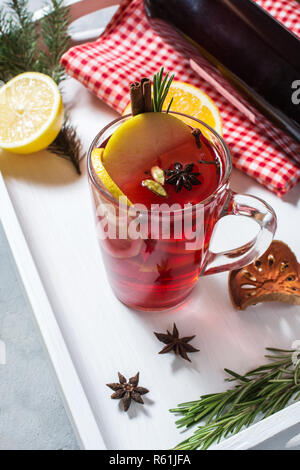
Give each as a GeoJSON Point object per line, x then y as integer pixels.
{"type": "Point", "coordinates": [54, 31]}
{"type": "Point", "coordinates": [18, 40]}
{"type": "Point", "coordinates": [67, 144]}
{"type": "Point", "coordinates": [258, 394]}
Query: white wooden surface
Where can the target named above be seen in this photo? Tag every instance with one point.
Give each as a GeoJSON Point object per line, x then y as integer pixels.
{"type": "Point", "coordinates": [263, 430]}
{"type": "Point", "coordinates": [103, 336]}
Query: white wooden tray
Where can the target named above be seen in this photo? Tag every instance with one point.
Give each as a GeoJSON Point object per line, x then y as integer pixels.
{"type": "Point", "coordinates": [103, 336]}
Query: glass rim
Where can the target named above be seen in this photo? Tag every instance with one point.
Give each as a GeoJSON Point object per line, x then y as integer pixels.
{"type": "Point", "coordinates": [222, 184]}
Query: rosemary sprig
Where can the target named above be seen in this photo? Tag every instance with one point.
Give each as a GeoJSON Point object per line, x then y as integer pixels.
{"type": "Point", "coordinates": [161, 87]}
{"type": "Point", "coordinates": [24, 47]}
{"type": "Point", "coordinates": [258, 394]}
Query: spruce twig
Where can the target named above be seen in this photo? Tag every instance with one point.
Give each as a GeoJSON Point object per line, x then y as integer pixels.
{"type": "Point", "coordinates": [18, 40]}
{"type": "Point", "coordinates": [67, 144]}
{"type": "Point", "coordinates": [54, 31]}
{"type": "Point", "coordinates": [258, 394]}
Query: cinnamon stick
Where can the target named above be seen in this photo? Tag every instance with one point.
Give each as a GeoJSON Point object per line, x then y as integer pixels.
{"type": "Point", "coordinates": [146, 86]}
{"type": "Point", "coordinates": [136, 98]}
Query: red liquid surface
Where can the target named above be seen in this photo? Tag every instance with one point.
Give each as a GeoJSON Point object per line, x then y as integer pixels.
{"type": "Point", "coordinates": [185, 154]}
{"type": "Point", "coordinates": [156, 274]}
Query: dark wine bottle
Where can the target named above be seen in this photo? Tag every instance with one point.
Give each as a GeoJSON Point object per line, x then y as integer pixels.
{"type": "Point", "coordinates": [246, 53]}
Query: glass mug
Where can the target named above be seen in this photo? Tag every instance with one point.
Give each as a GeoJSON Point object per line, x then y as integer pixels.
{"type": "Point", "coordinates": [155, 269]}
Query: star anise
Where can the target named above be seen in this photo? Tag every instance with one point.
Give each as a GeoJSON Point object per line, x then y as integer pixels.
{"type": "Point", "coordinates": [128, 391]}
{"type": "Point", "coordinates": [150, 245]}
{"type": "Point", "coordinates": [164, 272]}
{"type": "Point", "coordinates": [182, 177]}
{"type": "Point", "coordinates": [148, 248]}
{"type": "Point", "coordinates": [173, 343]}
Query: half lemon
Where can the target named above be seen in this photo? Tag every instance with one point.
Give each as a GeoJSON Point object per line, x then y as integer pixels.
{"type": "Point", "coordinates": [31, 113]}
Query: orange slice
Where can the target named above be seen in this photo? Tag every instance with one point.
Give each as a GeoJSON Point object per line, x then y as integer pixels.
{"type": "Point", "coordinates": [104, 177]}
{"type": "Point", "coordinates": [192, 101]}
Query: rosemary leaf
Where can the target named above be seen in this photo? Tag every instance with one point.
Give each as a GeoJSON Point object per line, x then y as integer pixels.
{"type": "Point", "coordinates": [235, 375]}
{"type": "Point", "coordinates": [279, 350]}
{"type": "Point", "coordinates": [169, 105]}
{"type": "Point", "coordinates": [257, 394]}
{"type": "Point", "coordinates": [163, 82]}
{"type": "Point", "coordinates": [154, 93]}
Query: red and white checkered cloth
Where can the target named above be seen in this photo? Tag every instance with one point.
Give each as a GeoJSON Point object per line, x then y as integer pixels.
{"type": "Point", "coordinates": [129, 49]}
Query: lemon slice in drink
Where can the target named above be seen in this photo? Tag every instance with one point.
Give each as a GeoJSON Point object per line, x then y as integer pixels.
{"type": "Point", "coordinates": [104, 177]}
{"type": "Point", "coordinates": [190, 100]}
{"type": "Point", "coordinates": [31, 113]}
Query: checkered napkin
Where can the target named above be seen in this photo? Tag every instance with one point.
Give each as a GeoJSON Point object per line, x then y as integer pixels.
{"type": "Point", "coordinates": [129, 49]}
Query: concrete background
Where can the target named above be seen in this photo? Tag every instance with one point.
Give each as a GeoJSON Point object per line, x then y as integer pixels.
{"type": "Point", "coordinates": [32, 414]}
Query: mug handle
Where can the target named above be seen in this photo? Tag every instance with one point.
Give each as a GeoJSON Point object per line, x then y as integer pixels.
{"type": "Point", "coordinates": [263, 214]}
